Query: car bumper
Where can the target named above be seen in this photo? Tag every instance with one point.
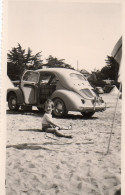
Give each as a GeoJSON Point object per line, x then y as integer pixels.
{"type": "Point", "coordinates": [94, 108]}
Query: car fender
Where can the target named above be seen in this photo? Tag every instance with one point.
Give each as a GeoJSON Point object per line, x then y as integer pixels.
{"type": "Point", "coordinates": [71, 99]}
{"type": "Point", "coordinates": [17, 92]}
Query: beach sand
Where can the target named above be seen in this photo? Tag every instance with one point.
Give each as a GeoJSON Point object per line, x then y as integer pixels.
{"type": "Point", "coordinates": [43, 164]}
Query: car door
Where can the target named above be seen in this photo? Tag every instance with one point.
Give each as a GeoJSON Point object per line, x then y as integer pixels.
{"type": "Point", "coordinates": [47, 85]}
{"type": "Point", "coordinates": [29, 87]}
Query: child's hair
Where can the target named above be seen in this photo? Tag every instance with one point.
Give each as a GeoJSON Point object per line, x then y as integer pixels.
{"type": "Point", "coordinates": [49, 101]}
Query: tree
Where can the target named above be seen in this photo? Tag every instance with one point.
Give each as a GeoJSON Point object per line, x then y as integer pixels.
{"type": "Point", "coordinates": [19, 60]}
{"type": "Point", "coordinates": [68, 66]}
{"type": "Point", "coordinates": [95, 79]}
{"type": "Point", "coordinates": [112, 68]}
{"type": "Point", "coordinates": [35, 62]}
{"type": "Point", "coordinates": [55, 62]}
{"type": "Point", "coordinates": [108, 72]}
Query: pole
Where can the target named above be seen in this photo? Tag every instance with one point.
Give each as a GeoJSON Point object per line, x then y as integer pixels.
{"type": "Point", "coordinates": [112, 128]}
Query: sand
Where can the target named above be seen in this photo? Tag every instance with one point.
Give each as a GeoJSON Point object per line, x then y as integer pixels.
{"type": "Point", "coordinates": [43, 164]}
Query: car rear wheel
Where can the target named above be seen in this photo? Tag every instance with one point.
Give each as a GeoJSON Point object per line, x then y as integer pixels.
{"type": "Point", "coordinates": [12, 103]}
{"type": "Point", "coordinates": [87, 114]}
{"type": "Point", "coordinates": [59, 108]}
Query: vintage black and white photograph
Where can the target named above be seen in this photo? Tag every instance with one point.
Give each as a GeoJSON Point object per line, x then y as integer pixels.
{"type": "Point", "coordinates": [63, 97]}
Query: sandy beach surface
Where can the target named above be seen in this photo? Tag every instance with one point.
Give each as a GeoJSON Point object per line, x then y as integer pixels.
{"type": "Point", "coordinates": [43, 164]}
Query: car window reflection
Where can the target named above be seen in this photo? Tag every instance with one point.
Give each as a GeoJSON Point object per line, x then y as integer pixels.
{"type": "Point", "coordinates": [77, 77]}
{"type": "Point", "coordinates": [30, 76]}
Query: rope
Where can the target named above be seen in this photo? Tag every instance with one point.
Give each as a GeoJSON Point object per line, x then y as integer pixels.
{"type": "Point", "coordinates": [112, 128]}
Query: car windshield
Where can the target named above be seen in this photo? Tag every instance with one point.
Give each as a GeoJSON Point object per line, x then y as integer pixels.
{"type": "Point", "coordinates": [77, 77]}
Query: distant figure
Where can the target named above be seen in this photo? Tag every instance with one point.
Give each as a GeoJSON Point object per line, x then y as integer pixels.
{"type": "Point", "coordinates": [47, 123]}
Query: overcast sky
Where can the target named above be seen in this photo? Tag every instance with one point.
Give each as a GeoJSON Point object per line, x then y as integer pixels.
{"type": "Point", "coordinates": [73, 31]}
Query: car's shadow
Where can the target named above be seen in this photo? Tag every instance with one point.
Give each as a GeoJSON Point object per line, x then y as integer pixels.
{"type": "Point", "coordinates": [23, 112]}
{"type": "Point", "coordinates": [28, 147]}
{"type": "Point", "coordinates": [37, 146]}
{"type": "Point", "coordinates": [36, 113]}
{"type": "Point", "coordinates": [78, 116]}
{"type": "Point", "coordinates": [34, 130]}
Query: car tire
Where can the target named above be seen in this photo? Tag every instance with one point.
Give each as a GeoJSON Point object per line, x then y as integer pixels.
{"type": "Point", "coordinates": [87, 114]}
{"type": "Point", "coordinates": [12, 103]}
{"type": "Point", "coordinates": [59, 108]}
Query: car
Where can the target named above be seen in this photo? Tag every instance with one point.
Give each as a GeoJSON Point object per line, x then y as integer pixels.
{"type": "Point", "coordinates": [68, 89]}
{"type": "Point", "coordinates": [99, 90]}
{"type": "Point", "coordinates": [15, 83]}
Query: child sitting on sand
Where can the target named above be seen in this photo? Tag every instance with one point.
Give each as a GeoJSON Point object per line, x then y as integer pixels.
{"type": "Point", "coordinates": [47, 123]}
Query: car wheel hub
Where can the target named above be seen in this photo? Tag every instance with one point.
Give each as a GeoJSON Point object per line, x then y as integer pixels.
{"type": "Point", "coordinates": [13, 102]}
{"type": "Point", "coordinates": [60, 107]}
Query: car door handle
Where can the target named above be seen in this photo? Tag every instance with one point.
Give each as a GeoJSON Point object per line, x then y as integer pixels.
{"type": "Point", "coordinates": [33, 83]}
{"type": "Point", "coordinates": [30, 85]}
{"type": "Point", "coordinates": [27, 85]}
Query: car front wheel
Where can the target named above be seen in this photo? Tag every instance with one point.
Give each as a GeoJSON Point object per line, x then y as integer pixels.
{"type": "Point", "coordinates": [87, 114]}
{"type": "Point", "coordinates": [12, 103]}
{"type": "Point", "coordinates": [59, 108]}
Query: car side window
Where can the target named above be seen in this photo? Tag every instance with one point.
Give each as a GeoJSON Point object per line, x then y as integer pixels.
{"type": "Point", "coordinates": [45, 78]}
{"type": "Point", "coordinates": [31, 76]}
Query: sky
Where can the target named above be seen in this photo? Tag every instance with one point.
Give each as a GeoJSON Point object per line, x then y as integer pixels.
{"type": "Point", "coordinates": [81, 33]}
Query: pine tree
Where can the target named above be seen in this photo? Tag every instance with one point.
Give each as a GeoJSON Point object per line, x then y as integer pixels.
{"type": "Point", "coordinates": [19, 60]}
{"type": "Point", "coordinates": [112, 68]}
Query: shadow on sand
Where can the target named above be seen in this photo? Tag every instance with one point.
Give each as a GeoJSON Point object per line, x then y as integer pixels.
{"type": "Point", "coordinates": [35, 146]}
{"type": "Point", "coordinates": [34, 130]}
{"type": "Point", "coordinates": [28, 147]}
{"type": "Point", "coordinates": [78, 116]}
{"type": "Point", "coordinates": [23, 112]}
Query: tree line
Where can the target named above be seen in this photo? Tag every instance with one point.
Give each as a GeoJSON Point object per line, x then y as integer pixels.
{"type": "Point", "coordinates": [108, 72]}
{"type": "Point", "coordinates": [18, 59]}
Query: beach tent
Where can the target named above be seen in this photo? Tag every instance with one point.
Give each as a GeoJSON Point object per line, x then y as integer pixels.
{"type": "Point", "coordinates": [117, 55]}
{"type": "Point", "coordinates": [117, 51]}
{"type": "Point", "coordinates": [114, 90]}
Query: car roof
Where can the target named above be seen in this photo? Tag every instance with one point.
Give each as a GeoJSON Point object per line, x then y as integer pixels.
{"type": "Point", "coordinates": [62, 71]}
{"type": "Point", "coordinates": [63, 74]}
